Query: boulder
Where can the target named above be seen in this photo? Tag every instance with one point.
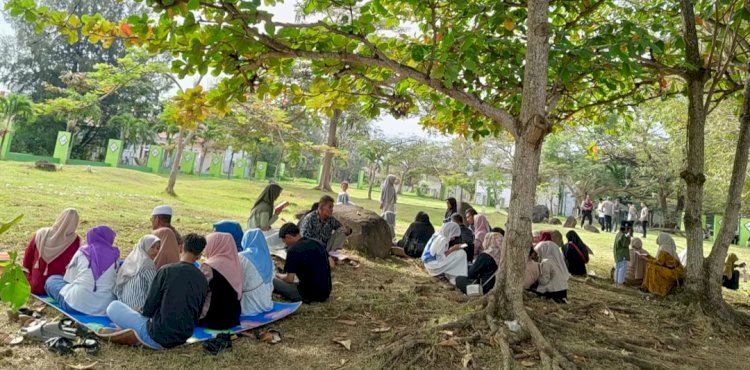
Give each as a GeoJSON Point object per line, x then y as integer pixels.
{"type": "Point", "coordinates": [555, 221]}
{"type": "Point", "coordinates": [371, 235]}
{"type": "Point", "coordinates": [539, 214]}
{"type": "Point", "coordinates": [591, 228]}
{"type": "Point", "coordinates": [570, 222]}
{"type": "Point", "coordinates": [45, 166]}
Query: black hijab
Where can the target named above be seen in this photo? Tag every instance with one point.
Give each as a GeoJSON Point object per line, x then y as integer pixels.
{"type": "Point", "coordinates": [452, 210]}
{"type": "Point", "coordinates": [573, 237]}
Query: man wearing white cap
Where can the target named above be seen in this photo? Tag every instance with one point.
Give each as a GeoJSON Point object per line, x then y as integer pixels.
{"type": "Point", "coordinates": [161, 216]}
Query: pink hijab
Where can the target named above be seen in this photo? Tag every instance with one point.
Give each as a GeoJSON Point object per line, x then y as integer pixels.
{"type": "Point", "coordinates": [221, 255]}
{"type": "Point", "coordinates": [481, 227]}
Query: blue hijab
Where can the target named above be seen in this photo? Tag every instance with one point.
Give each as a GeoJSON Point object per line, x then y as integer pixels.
{"type": "Point", "coordinates": [255, 249]}
{"type": "Point", "coordinates": [233, 228]}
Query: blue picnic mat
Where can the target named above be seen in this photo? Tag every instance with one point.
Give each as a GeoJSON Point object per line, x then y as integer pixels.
{"type": "Point", "coordinates": [280, 310]}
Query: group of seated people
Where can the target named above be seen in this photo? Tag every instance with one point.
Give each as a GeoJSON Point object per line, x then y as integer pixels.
{"type": "Point", "coordinates": [470, 253]}
{"type": "Point", "coordinates": [160, 291]}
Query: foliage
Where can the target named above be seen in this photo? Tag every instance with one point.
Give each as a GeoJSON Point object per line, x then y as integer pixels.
{"type": "Point", "coordinates": [14, 288]}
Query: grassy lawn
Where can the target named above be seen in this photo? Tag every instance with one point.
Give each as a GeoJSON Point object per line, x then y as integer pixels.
{"type": "Point", "coordinates": [392, 293]}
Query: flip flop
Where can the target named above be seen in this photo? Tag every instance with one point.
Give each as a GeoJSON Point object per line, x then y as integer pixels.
{"type": "Point", "coordinates": [90, 345]}
{"type": "Point", "coordinates": [59, 345]}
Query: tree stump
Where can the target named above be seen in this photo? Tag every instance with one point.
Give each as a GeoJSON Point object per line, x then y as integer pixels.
{"type": "Point", "coordinates": [570, 222]}
{"type": "Point", "coordinates": [45, 166]}
{"type": "Point", "coordinates": [370, 233]}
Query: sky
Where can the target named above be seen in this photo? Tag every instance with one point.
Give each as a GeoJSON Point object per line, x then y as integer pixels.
{"type": "Point", "coordinates": [388, 125]}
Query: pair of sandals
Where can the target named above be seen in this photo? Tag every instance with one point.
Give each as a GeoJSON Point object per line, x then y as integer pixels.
{"type": "Point", "coordinates": [60, 337]}
{"type": "Point", "coordinates": [65, 346]}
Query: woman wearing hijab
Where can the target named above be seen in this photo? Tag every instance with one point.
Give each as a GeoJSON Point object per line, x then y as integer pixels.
{"type": "Point", "coordinates": [417, 235]}
{"type": "Point", "coordinates": [50, 250]}
{"type": "Point", "coordinates": [637, 265]}
{"type": "Point", "coordinates": [169, 250]}
{"type": "Point", "coordinates": [731, 277]}
{"type": "Point", "coordinates": [137, 272]}
{"type": "Point", "coordinates": [553, 275]}
{"type": "Point", "coordinates": [90, 276]}
{"type": "Point", "coordinates": [258, 269]}
{"type": "Point", "coordinates": [224, 274]}
{"type": "Point", "coordinates": [576, 254]}
{"type": "Point", "coordinates": [483, 269]}
{"type": "Point", "coordinates": [263, 214]}
{"type": "Point", "coordinates": [557, 237]}
{"type": "Point", "coordinates": [665, 271]}
{"type": "Point", "coordinates": [452, 209]}
{"type": "Point", "coordinates": [440, 259]}
{"type": "Point", "coordinates": [233, 228]}
{"type": "Point", "coordinates": [481, 230]}
{"type": "Point", "coordinates": [388, 198]}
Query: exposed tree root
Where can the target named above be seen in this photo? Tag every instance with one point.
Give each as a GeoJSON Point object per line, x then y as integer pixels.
{"type": "Point", "coordinates": [620, 356]}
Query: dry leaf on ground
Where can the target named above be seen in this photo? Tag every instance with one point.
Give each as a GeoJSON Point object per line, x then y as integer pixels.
{"type": "Point", "coordinates": [347, 322]}
{"type": "Point", "coordinates": [381, 330]}
{"type": "Point", "coordinates": [346, 343]}
{"type": "Point", "coordinates": [81, 367]}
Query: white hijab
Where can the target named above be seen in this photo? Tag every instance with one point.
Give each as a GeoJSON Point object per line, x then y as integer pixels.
{"type": "Point", "coordinates": [666, 244]}
{"type": "Point", "coordinates": [439, 243]}
{"type": "Point", "coordinates": [388, 190]}
{"type": "Point", "coordinates": [548, 250]}
{"type": "Point", "coordinates": [136, 261]}
{"type": "Point", "coordinates": [51, 242]}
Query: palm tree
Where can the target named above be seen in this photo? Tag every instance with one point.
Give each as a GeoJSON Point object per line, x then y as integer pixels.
{"type": "Point", "coordinates": [13, 107]}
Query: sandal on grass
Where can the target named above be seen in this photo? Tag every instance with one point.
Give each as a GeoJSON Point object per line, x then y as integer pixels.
{"type": "Point", "coordinates": [43, 331]}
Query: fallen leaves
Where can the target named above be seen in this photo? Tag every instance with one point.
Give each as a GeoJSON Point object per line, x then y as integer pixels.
{"type": "Point", "coordinates": [81, 367]}
{"type": "Point", "coordinates": [346, 343]}
{"type": "Point", "coordinates": [347, 322]}
{"type": "Point", "coordinates": [381, 330]}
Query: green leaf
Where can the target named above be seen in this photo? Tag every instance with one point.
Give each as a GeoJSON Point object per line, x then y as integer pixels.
{"type": "Point", "coordinates": [417, 53]}
{"type": "Point", "coordinates": [270, 28]}
{"type": "Point", "coordinates": [5, 226]}
{"type": "Point", "coordinates": [72, 37]}
{"type": "Point", "coordinates": [193, 4]}
{"type": "Point", "coordinates": [14, 288]}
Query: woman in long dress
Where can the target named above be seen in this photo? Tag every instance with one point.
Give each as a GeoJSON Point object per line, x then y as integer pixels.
{"type": "Point", "coordinates": [440, 259]}
{"type": "Point", "coordinates": [576, 254]}
{"type": "Point", "coordinates": [263, 214]}
{"type": "Point", "coordinates": [553, 276]}
{"type": "Point", "coordinates": [637, 266]}
{"type": "Point", "coordinates": [258, 269]}
{"type": "Point", "coordinates": [665, 271]}
{"type": "Point", "coordinates": [388, 199]}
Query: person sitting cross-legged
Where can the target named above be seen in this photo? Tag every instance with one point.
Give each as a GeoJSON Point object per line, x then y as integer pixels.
{"type": "Point", "coordinates": [51, 249]}
{"type": "Point", "coordinates": [90, 275]}
{"type": "Point", "coordinates": [136, 274]}
{"type": "Point", "coordinates": [173, 306]}
{"type": "Point", "coordinates": [225, 279]}
{"type": "Point", "coordinates": [307, 260]}
{"type": "Point", "coordinates": [257, 269]}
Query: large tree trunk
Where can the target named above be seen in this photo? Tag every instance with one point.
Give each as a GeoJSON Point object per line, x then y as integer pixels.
{"type": "Point", "coordinates": [715, 262]}
{"type": "Point", "coordinates": [175, 163]}
{"type": "Point", "coordinates": [664, 211]}
{"type": "Point", "coordinates": [204, 153]}
{"type": "Point", "coordinates": [324, 183]}
{"type": "Point", "coordinates": [506, 301]}
{"type": "Point", "coordinates": [694, 173]}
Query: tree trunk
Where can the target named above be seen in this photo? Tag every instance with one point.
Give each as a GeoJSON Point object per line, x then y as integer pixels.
{"type": "Point", "coordinates": [175, 163]}
{"type": "Point", "coordinates": [204, 153]}
{"type": "Point", "coordinates": [324, 183]}
{"type": "Point", "coordinates": [694, 173]}
{"type": "Point", "coordinates": [663, 205]}
{"type": "Point", "coordinates": [715, 262]}
{"type": "Point", "coordinates": [506, 302]}
{"type": "Point", "coordinates": [372, 181]}
{"type": "Point", "coordinates": [677, 216]}
{"type": "Point", "coordinates": [401, 183]}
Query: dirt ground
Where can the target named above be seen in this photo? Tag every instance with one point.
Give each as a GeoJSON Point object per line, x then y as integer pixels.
{"type": "Point", "coordinates": [381, 302]}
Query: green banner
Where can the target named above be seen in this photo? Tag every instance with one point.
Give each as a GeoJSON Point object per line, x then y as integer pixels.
{"type": "Point", "coordinates": [188, 162]}
{"type": "Point", "coordinates": [155, 158]}
{"type": "Point", "coordinates": [114, 151]}
{"type": "Point", "coordinates": [260, 170]}
{"type": "Point", "coordinates": [6, 145]}
{"type": "Point", "coordinates": [744, 231]}
{"type": "Point", "coordinates": [214, 169]}
{"type": "Point", "coordinates": [360, 179]}
{"type": "Point", "coordinates": [239, 168]}
{"type": "Point", "coordinates": [62, 146]}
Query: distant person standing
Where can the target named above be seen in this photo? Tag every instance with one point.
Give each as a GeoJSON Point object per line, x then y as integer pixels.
{"type": "Point", "coordinates": [388, 199]}
{"type": "Point", "coordinates": [632, 216]}
{"type": "Point", "coordinates": [616, 215]}
{"type": "Point", "coordinates": [600, 213]}
{"type": "Point", "coordinates": [587, 206]}
{"type": "Point", "coordinates": [622, 254]}
{"type": "Point", "coordinates": [608, 210]}
{"type": "Point", "coordinates": [644, 218]}
{"type": "Point", "coordinates": [343, 197]}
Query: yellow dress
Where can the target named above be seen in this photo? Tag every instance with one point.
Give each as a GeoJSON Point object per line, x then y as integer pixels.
{"type": "Point", "coordinates": [662, 274]}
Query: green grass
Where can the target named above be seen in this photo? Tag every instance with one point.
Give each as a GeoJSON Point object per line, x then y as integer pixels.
{"type": "Point", "coordinates": [391, 292]}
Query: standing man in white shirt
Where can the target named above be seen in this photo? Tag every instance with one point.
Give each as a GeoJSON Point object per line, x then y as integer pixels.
{"type": "Point", "coordinates": [644, 218]}
{"type": "Point", "coordinates": [608, 207]}
{"type": "Point", "coordinates": [632, 216]}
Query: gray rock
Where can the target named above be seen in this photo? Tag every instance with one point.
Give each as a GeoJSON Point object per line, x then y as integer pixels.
{"type": "Point", "coordinates": [370, 233]}
{"type": "Point", "coordinates": [539, 214]}
{"type": "Point", "coordinates": [45, 166]}
{"type": "Point", "coordinates": [570, 222]}
{"type": "Point", "coordinates": [591, 228]}
{"type": "Point", "coordinates": [555, 221]}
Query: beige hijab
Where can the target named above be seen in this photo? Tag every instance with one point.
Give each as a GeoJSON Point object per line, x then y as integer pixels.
{"type": "Point", "coordinates": [51, 242]}
{"type": "Point", "coordinates": [170, 250]}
